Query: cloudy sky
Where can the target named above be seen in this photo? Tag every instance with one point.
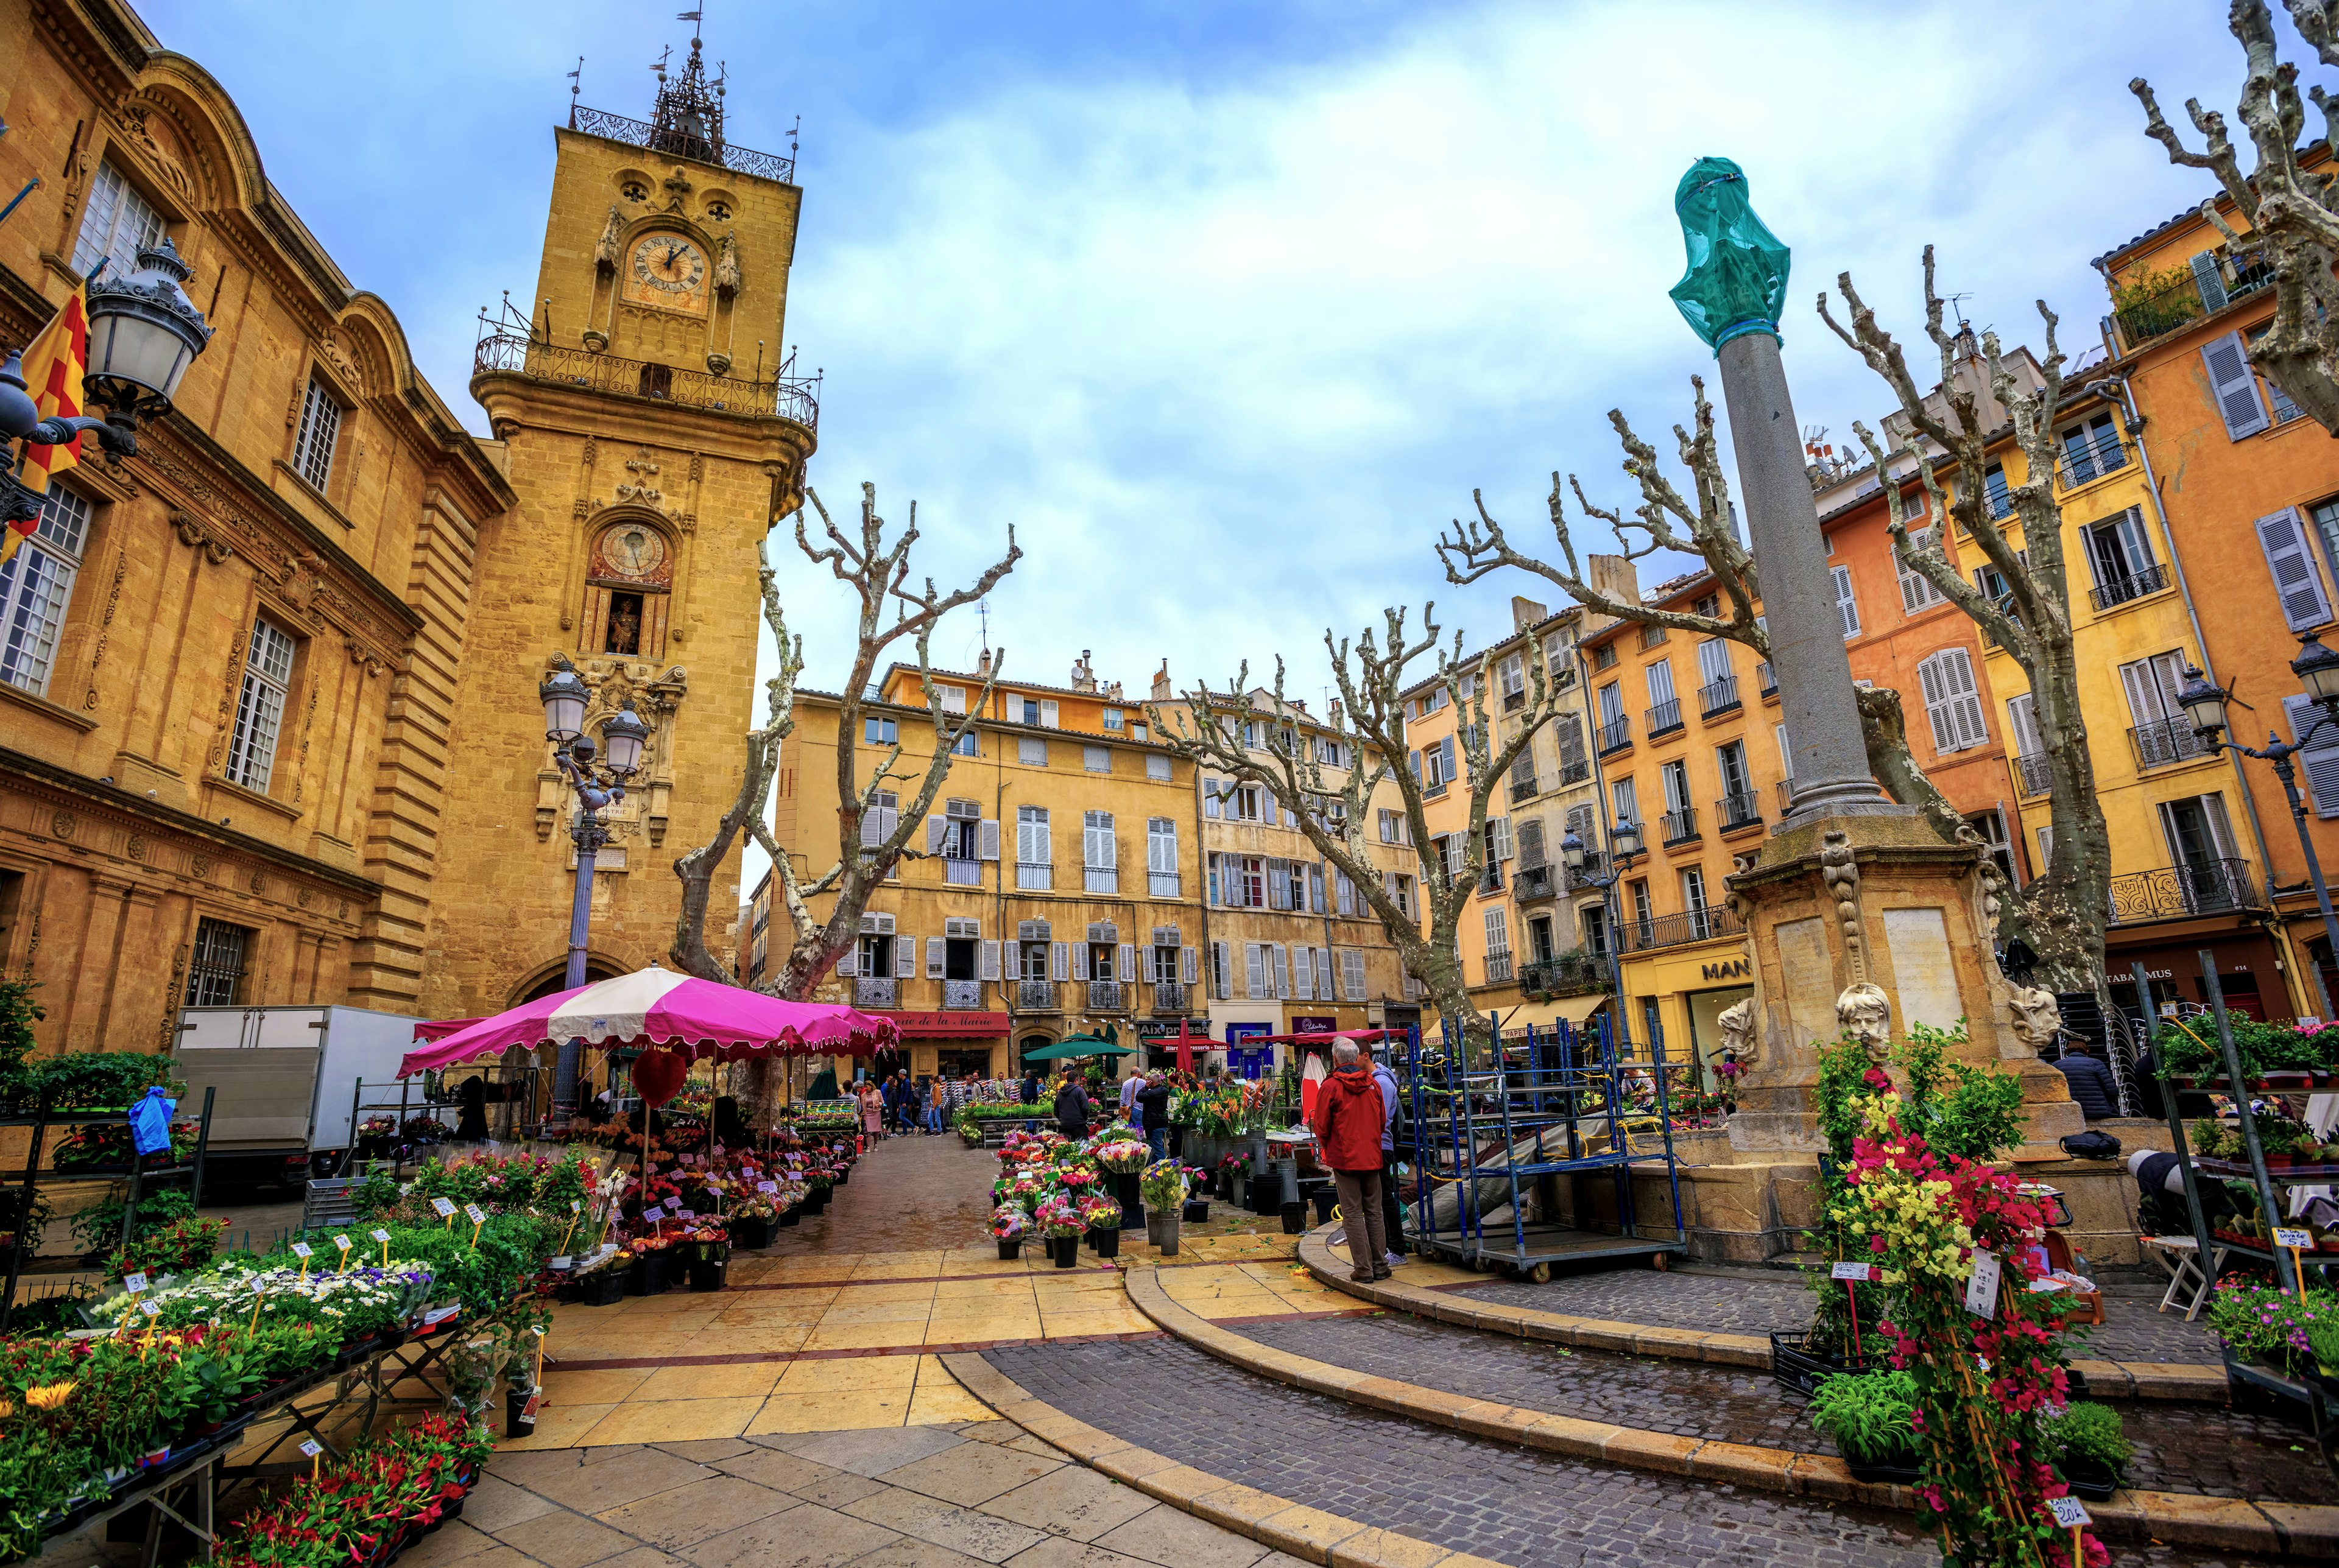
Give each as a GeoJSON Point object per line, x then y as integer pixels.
{"type": "Point", "coordinates": [1224, 306]}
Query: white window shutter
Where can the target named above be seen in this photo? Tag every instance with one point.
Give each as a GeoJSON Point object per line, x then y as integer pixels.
{"type": "Point", "coordinates": [1303, 975]}
{"type": "Point", "coordinates": [991, 961]}
{"type": "Point", "coordinates": [850, 964]}
{"type": "Point", "coordinates": [1059, 962]}
{"type": "Point", "coordinates": [873, 826]}
{"type": "Point", "coordinates": [1047, 712]}
{"type": "Point", "coordinates": [1504, 848]}
{"type": "Point", "coordinates": [1108, 846]}
{"type": "Point", "coordinates": [1080, 962]}
{"type": "Point", "coordinates": [1210, 798]}
{"type": "Point", "coordinates": [2319, 762]}
{"type": "Point", "coordinates": [1128, 962]}
{"type": "Point", "coordinates": [987, 838]}
{"type": "Point", "coordinates": [1847, 605]}
{"type": "Point", "coordinates": [935, 826]}
{"type": "Point", "coordinates": [905, 958]}
{"type": "Point", "coordinates": [934, 958]}
{"type": "Point", "coordinates": [1324, 972]}
{"type": "Point", "coordinates": [1222, 971]}
{"type": "Point", "coordinates": [1531, 849]}
{"type": "Point", "coordinates": [2233, 384]}
{"type": "Point", "coordinates": [1353, 962]}
{"type": "Point", "coordinates": [1189, 961]}
{"type": "Point", "coordinates": [1928, 679]}
{"type": "Point", "coordinates": [1255, 971]}
{"type": "Point", "coordinates": [1316, 889]}
{"type": "Point", "coordinates": [2291, 560]}
{"type": "Point", "coordinates": [1278, 962]}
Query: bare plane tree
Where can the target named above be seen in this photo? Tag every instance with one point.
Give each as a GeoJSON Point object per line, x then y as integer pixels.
{"type": "Point", "coordinates": [2060, 914]}
{"type": "Point", "coordinates": [2293, 215]}
{"type": "Point", "coordinates": [1372, 679]}
{"type": "Point", "coordinates": [890, 611]}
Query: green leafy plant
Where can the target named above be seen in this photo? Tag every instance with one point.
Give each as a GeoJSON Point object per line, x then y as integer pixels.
{"type": "Point", "coordinates": [2323, 1342]}
{"type": "Point", "coordinates": [2086, 1430]}
{"type": "Point", "coordinates": [98, 1228]}
{"type": "Point", "coordinates": [1972, 1112]}
{"type": "Point", "coordinates": [1867, 1414]}
{"type": "Point", "coordinates": [18, 1013]}
{"type": "Point", "coordinates": [101, 1079]}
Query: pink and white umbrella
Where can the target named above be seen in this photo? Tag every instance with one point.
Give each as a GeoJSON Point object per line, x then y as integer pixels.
{"type": "Point", "coordinates": [667, 1008]}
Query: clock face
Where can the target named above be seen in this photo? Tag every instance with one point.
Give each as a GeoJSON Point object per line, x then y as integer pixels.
{"type": "Point", "coordinates": [630, 551]}
{"type": "Point", "coordinates": [667, 270]}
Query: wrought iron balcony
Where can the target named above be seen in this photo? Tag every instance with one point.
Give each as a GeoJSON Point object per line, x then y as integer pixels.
{"type": "Point", "coordinates": [1104, 996]}
{"type": "Point", "coordinates": [1490, 877]}
{"type": "Point", "coordinates": [1100, 879]}
{"type": "Point", "coordinates": [1574, 773]}
{"type": "Point", "coordinates": [2183, 297]}
{"type": "Point", "coordinates": [1717, 697]}
{"type": "Point", "coordinates": [1678, 930]}
{"type": "Point", "coordinates": [1034, 877]}
{"type": "Point", "coordinates": [1737, 811]}
{"type": "Point", "coordinates": [1680, 824]}
{"type": "Point", "coordinates": [2031, 768]}
{"type": "Point", "coordinates": [1595, 864]}
{"type": "Point", "coordinates": [2165, 743]}
{"type": "Point", "coordinates": [965, 994]}
{"type": "Point", "coordinates": [1574, 974]}
{"type": "Point", "coordinates": [2088, 461]}
{"type": "Point", "coordinates": [1766, 679]}
{"type": "Point", "coordinates": [1524, 786]}
{"type": "Point", "coordinates": [675, 144]}
{"type": "Point", "coordinates": [1498, 968]}
{"type": "Point", "coordinates": [1534, 883]}
{"type": "Point", "coordinates": [2121, 590]}
{"type": "Point", "coordinates": [518, 351]}
{"type": "Point", "coordinates": [2172, 891]}
{"type": "Point", "coordinates": [1169, 996]}
{"type": "Point", "coordinates": [961, 873]}
{"type": "Point", "coordinates": [1664, 717]}
{"type": "Point", "coordinates": [1617, 737]}
{"type": "Point", "coordinates": [876, 990]}
{"type": "Point", "coordinates": [1035, 995]}
{"type": "Point", "coordinates": [1161, 883]}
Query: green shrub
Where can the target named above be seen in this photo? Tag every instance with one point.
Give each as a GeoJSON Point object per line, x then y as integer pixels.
{"type": "Point", "coordinates": [102, 1080]}
{"type": "Point", "coordinates": [2090, 1431]}
{"type": "Point", "coordinates": [98, 1228]}
{"type": "Point", "coordinates": [1867, 1414]}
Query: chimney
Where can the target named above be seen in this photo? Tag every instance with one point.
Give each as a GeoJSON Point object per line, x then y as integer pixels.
{"type": "Point", "coordinates": [1161, 692]}
{"type": "Point", "coordinates": [1525, 612]}
{"type": "Point", "coordinates": [1083, 677]}
{"type": "Point", "coordinates": [1112, 691]}
{"type": "Point", "coordinates": [983, 664]}
{"type": "Point", "coordinates": [1336, 713]}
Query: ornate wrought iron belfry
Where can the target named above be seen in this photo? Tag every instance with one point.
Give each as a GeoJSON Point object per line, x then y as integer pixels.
{"type": "Point", "coordinates": [688, 120]}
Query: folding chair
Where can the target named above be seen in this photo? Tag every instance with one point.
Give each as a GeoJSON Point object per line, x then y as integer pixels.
{"type": "Point", "coordinates": [2179, 1257]}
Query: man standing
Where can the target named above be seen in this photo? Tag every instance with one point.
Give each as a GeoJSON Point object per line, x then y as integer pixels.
{"type": "Point", "coordinates": [937, 1099]}
{"type": "Point", "coordinates": [1153, 1110]}
{"type": "Point", "coordinates": [1347, 1125]}
{"type": "Point", "coordinates": [1392, 1213]}
{"type": "Point", "coordinates": [1128, 1087]}
{"type": "Point", "coordinates": [1072, 1108]}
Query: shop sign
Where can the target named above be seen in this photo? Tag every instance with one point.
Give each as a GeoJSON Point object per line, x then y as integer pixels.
{"type": "Point", "coordinates": [1167, 1029]}
{"type": "Point", "coordinates": [1313, 1025]}
{"type": "Point", "coordinates": [1733, 969]}
{"type": "Point", "coordinates": [951, 1025]}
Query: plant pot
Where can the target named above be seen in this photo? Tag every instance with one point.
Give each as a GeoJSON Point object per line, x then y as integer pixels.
{"type": "Point", "coordinates": [792, 1215]}
{"type": "Point", "coordinates": [2089, 1478]}
{"type": "Point", "coordinates": [1796, 1368]}
{"type": "Point", "coordinates": [1105, 1241]}
{"type": "Point", "coordinates": [1902, 1471]}
{"type": "Point", "coordinates": [1162, 1233]}
{"type": "Point", "coordinates": [519, 1412]}
{"type": "Point", "coordinates": [1065, 1250]}
{"type": "Point", "coordinates": [1325, 1201]}
{"type": "Point", "coordinates": [648, 1276]}
{"type": "Point", "coordinates": [753, 1232]}
{"type": "Point", "coordinates": [1295, 1218]}
{"type": "Point", "coordinates": [603, 1287]}
{"type": "Point", "coordinates": [706, 1274]}
{"type": "Point", "coordinates": [1195, 1211]}
{"type": "Point", "coordinates": [1126, 1193]}
{"type": "Point", "coordinates": [844, 1176]}
{"type": "Point", "coordinates": [1011, 1249]}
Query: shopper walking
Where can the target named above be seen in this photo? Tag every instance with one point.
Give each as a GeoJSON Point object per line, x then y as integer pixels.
{"type": "Point", "coordinates": [873, 1109]}
{"type": "Point", "coordinates": [1347, 1125]}
{"type": "Point", "coordinates": [1073, 1107]}
{"type": "Point", "coordinates": [1392, 1212]}
{"type": "Point", "coordinates": [1153, 1113]}
{"type": "Point", "coordinates": [912, 1105]}
{"type": "Point", "coordinates": [937, 1092]}
{"type": "Point", "coordinates": [1128, 1087]}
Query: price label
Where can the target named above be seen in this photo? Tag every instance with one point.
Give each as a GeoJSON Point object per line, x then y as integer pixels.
{"type": "Point", "coordinates": [767, 1187]}
{"type": "Point", "coordinates": [381, 1235]}
{"type": "Point", "coordinates": [475, 1214]}
{"type": "Point", "coordinates": [1858, 1273]}
{"type": "Point", "coordinates": [302, 1249]}
{"type": "Point", "coordinates": [439, 1315]}
{"type": "Point", "coordinates": [673, 1205]}
{"type": "Point", "coordinates": [685, 1214]}
{"type": "Point", "coordinates": [343, 1242]}
{"type": "Point", "coordinates": [134, 1283]}
{"type": "Point", "coordinates": [151, 1308]}
{"type": "Point", "coordinates": [2069, 1511]}
{"type": "Point", "coordinates": [574, 1207]}
{"type": "Point", "coordinates": [562, 1264]}
{"type": "Point", "coordinates": [2283, 1236]}
{"type": "Point", "coordinates": [527, 1411]}
{"type": "Point", "coordinates": [442, 1207]}
{"type": "Point", "coordinates": [311, 1448]}
{"type": "Point", "coordinates": [1981, 1290]}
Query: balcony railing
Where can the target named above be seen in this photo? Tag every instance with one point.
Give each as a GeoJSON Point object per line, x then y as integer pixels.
{"type": "Point", "coordinates": [1766, 679]}
{"type": "Point", "coordinates": [1162, 884]}
{"type": "Point", "coordinates": [1498, 968]}
{"type": "Point", "coordinates": [2164, 310]}
{"type": "Point", "coordinates": [1717, 697]}
{"type": "Point", "coordinates": [1571, 976]}
{"type": "Point", "coordinates": [1104, 996]}
{"type": "Point", "coordinates": [876, 990]}
{"type": "Point", "coordinates": [2088, 461]}
{"type": "Point", "coordinates": [1664, 717]}
{"type": "Point", "coordinates": [1035, 876]}
{"type": "Point", "coordinates": [1737, 811]}
{"type": "Point", "coordinates": [963, 873]}
{"type": "Point", "coordinates": [1490, 878]}
{"type": "Point", "coordinates": [1574, 773]}
{"type": "Point", "coordinates": [1680, 824]}
{"type": "Point", "coordinates": [1514, 701]}
{"type": "Point", "coordinates": [1524, 787]}
{"type": "Point", "coordinates": [2121, 590]}
{"type": "Point", "coordinates": [1035, 995]}
{"type": "Point", "coordinates": [965, 994]}
{"type": "Point", "coordinates": [1617, 737]}
{"type": "Point", "coordinates": [1100, 879]}
{"type": "Point", "coordinates": [1168, 996]}
{"type": "Point", "coordinates": [2032, 770]}
{"type": "Point", "coordinates": [2165, 743]}
{"type": "Point", "coordinates": [1595, 864]}
{"type": "Point", "coordinates": [790, 396]}
{"type": "Point", "coordinates": [1678, 929]}
{"type": "Point", "coordinates": [1533, 883]}
{"type": "Point", "coordinates": [2207, 887]}
{"type": "Point", "coordinates": [677, 144]}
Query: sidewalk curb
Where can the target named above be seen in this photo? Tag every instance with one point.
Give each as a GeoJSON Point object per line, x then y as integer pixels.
{"type": "Point", "coordinates": [1305, 1532]}
{"type": "Point", "coordinates": [2176, 1517]}
{"type": "Point", "coordinates": [2172, 1380]}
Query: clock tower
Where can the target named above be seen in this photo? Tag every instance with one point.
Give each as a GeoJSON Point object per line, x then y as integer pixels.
{"type": "Point", "coordinates": [653, 431]}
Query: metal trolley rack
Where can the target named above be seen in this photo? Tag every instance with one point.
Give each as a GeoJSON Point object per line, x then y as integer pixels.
{"type": "Point", "coordinates": [1555, 1106]}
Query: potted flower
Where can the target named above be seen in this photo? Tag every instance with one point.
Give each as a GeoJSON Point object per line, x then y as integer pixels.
{"type": "Point", "coordinates": [1102, 1215]}
{"type": "Point", "coordinates": [601, 1277]}
{"type": "Point", "coordinates": [709, 1251]}
{"type": "Point", "coordinates": [649, 1275]}
{"type": "Point", "coordinates": [1867, 1415]}
{"type": "Point", "coordinates": [1008, 1224]}
{"type": "Point", "coordinates": [1164, 1187]}
{"type": "Point", "coordinates": [2089, 1448]}
{"type": "Point", "coordinates": [818, 1180]}
{"type": "Point", "coordinates": [1063, 1224]}
{"type": "Point", "coordinates": [1124, 1158]}
{"type": "Point", "coordinates": [750, 1220]}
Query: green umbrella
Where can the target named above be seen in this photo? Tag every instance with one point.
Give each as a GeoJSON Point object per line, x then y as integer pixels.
{"type": "Point", "coordinates": [1075, 1046]}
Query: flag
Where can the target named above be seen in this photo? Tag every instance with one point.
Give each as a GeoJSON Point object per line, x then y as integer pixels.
{"type": "Point", "coordinates": [54, 366]}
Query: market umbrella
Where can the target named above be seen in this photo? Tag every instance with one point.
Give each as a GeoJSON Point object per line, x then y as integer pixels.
{"type": "Point", "coordinates": [1075, 1046]}
{"type": "Point", "coordinates": [664, 1007]}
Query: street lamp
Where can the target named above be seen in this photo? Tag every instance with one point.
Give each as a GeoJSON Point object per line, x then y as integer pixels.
{"type": "Point", "coordinates": [598, 783]}
{"type": "Point", "coordinates": [2203, 702]}
{"type": "Point", "coordinates": [1623, 849]}
{"type": "Point", "coordinates": [144, 334]}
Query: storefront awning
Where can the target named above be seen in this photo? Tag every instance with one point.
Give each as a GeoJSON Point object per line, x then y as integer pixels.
{"type": "Point", "coordinates": [1567, 1009]}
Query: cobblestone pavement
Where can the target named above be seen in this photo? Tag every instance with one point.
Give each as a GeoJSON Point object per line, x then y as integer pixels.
{"type": "Point", "coordinates": [916, 1497]}
{"type": "Point", "coordinates": [2179, 1448]}
{"type": "Point", "coordinates": [1737, 1303]}
{"type": "Point", "coordinates": [1516, 1505]}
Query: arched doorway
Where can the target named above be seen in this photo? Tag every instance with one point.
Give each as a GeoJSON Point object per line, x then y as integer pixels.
{"type": "Point", "coordinates": [555, 978]}
{"type": "Point", "coordinates": [1026, 1046]}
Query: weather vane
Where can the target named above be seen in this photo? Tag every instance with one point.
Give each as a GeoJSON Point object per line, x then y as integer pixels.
{"type": "Point", "coordinates": [575, 86]}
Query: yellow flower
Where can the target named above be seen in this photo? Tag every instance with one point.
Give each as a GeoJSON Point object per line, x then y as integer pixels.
{"type": "Point", "coordinates": [49, 1396]}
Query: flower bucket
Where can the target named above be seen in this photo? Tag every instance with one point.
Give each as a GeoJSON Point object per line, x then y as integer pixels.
{"type": "Point", "coordinates": [844, 1176]}
{"type": "Point", "coordinates": [1011, 1248]}
{"type": "Point", "coordinates": [519, 1412]}
{"type": "Point", "coordinates": [2089, 1478]}
{"type": "Point", "coordinates": [1161, 1231]}
{"type": "Point", "coordinates": [1295, 1218]}
{"type": "Point", "coordinates": [707, 1273]}
{"type": "Point", "coordinates": [603, 1287]}
{"type": "Point", "coordinates": [648, 1276]}
{"type": "Point", "coordinates": [753, 1232]}
{"type": "Point", "coordinates": [1065, 1250]}
{"type": "Point", "coordinates": [1196, 1211]}
{"type": "Point", "coordinates": [1105, 1241]}
{"type": "Point", "coordinates": [1325, 1201]}
{"type": "Point", "coordinates": [1125, 1188]}
{"type": "Point", "coordinates": [792, 1215]}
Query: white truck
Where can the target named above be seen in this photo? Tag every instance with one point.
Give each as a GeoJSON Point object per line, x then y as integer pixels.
{"type": "Point", "coordinates": [286, 1078]}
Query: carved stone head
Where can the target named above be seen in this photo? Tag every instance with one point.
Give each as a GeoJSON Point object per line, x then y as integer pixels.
{"type": "Point", "coordinates": [1865, 1013]}
{"type": "Point", "coordinates": [2035, 1019]}
{"type": "Point", "coordinates": [1737, 1022]}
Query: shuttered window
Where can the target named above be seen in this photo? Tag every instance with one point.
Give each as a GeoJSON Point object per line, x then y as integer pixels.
{"type": "Point", "coordinates": [1951, 703]}
{"type": "Point", "coordinates": [2290, 560]}
{"type": "Point", "coordinates": [1917, 590]}
{"type": "Point", "coordinates": [1846, 605]}
{"type": "Point", "coordinates": [2318, 763]}
{"type": "Point", "coordinates": [2234, 387]}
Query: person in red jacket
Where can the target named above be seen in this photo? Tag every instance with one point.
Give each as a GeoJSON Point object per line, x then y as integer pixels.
{"type": "Point", "coordinates": [1347, 1127]}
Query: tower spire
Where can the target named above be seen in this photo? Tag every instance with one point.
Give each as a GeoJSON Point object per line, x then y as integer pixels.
{"type": "Point", "coordinates": [688, 121]}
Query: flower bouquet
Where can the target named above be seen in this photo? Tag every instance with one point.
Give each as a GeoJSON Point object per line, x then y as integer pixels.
{"type": "Point", "coordinates": [1123, 1157]}
{"type": "Point", "coordinates": [1060, 1221]}
{"type": "Point", "coordinates": [708, 1245]}
{"type": "Point", "coordinates": [1102, 1216]}
{"type": "Point", "coordinates": [1008, 1224]}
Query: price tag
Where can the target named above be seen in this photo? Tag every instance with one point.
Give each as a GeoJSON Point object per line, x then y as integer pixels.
{"type": "Point", "coordinates": [475, 1214]}
{"type": "Point", "coordinates": [685, 1214]}
{"type": "Point", "coordinates": [311, 1448]}
{"type": "Point", "coordinates": [343, 1242]}
{"type": "Point", "coordinates": [439, 1315]}
{"type": "Point", "coordinates": [442, 1207]}
{"type": "Point", "coordinates": [574, 1207]}
{"type": "Point", "coordinates": [767, 1187]}
{"type": "Point", "coordinates": [2283, 1236]}
{"type": "Point", "coordinates": [381, 1235]}
{"type": "Point", "coordinates": [151, 1308]}
{"type": "Point", "coordinates": [562, 1264]}
{"type": "Point", "coordinates": [527, 1411]}
{"type": "Point", "coordinates": [303, 1249]}
{"type": "Point", "coordinates": [673, 1205]}
{"type": "Point", "coordinates": [1981, 1290]}
{"type": "Point", "coordinates": [2069, 1511]}
{"type": "Point", "coordinates": [1859, 1272]}
{"type": "Point", "coordinates": [134, 1283]}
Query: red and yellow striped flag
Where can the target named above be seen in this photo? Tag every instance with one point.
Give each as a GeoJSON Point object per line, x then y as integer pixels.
{"type": "Point", "coordinates": [53, 363]}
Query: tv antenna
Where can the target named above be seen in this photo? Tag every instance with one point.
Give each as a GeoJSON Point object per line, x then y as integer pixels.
{"type": "Point", "coordinates": [576, 84]}
{"type": "Point", "coordinates": [1957, 305]}
{"type": "Point", "coordinates": [982, 612]}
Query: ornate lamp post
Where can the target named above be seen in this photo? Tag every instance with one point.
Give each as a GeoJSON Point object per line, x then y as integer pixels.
{"type": "Point", "coordinates": [144, 334]}
{"type": "Point", "coordinates": [1623, 849]}
{"type": "Point", "coordinates": [2203, 702]}
{"type": "Point", "coordinates": [598, 785]}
